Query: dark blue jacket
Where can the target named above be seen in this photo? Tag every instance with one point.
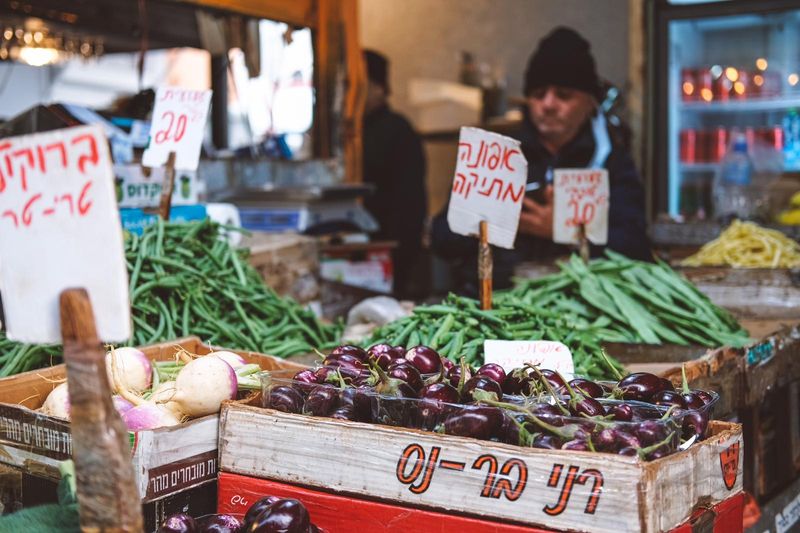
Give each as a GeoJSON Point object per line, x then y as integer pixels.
{"type": "Point", "coordinates": [626, 220]}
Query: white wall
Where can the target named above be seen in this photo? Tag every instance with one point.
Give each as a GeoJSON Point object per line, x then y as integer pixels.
{"type": "Point", "coordinates": [423, 38]}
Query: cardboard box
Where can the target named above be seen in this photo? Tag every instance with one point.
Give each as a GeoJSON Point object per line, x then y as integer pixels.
{"type": "Point", "coordinates": [337, 513]}
{"type": "Point", "coordinates": [134, 189]}
{"type": "Point", "coordinates": [545, 488]}
{"type": "Point", "coordinates": [167, 460]}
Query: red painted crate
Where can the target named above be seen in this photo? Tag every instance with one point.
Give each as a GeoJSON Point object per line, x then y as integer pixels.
{"type": "Point", "coordinates": [342, 514]}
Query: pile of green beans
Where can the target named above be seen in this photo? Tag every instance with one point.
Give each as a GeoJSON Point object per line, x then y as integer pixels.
{"type": "Point", "coordinates": [458, 327]}
{"type": "Point", "coordinates": [185, 280]}
{"type": "Point", "coordinates": [16, 357]}
{"type": "Point", "coordinates": [632, 302]}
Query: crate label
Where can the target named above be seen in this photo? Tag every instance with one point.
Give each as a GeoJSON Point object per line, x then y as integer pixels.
{"type": "Point", "coordinates": [729, 464]}
{"type": "Point", "coordinates": [760, 353]}
{"type": "Point", "coordinates": [788, 517]}
{"type": "Point", "coordinates": [60, 229]}
{"type": "Point", "coordinates": [544, 354]}
{"type": "Point", "coordinates": [489, 185]}
{"type": "Point", "coordinates": [179, 119]}
{"type": "Point", "coordinates": [580, 196]}
{"type": "Point", "coordinates": [182, 474]}
{"type": "Point", "coordinates": [36, 433]}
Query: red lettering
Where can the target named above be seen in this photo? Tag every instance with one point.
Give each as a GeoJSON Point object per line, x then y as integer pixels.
{"type": "Point", "coordinates": [92, 157]}
{"type": "Point", "coordinates": [12, 215]}
{"type": "Point", "coordinates": [83, 203]}
{"type": "Point", "coordinates": [27, 214]}
{"type": "Point", "coordinates": [68, 198]}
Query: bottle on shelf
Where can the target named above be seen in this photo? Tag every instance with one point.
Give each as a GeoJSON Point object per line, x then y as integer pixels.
{"type": "Point", "coordinates": [791, 140]}
{"type": "Point", "coordinates": [732, 181]}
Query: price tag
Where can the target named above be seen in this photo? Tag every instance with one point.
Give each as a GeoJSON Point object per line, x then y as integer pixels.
{"type": "Point", "coordinates": [489, 185]}
{"type": "Point", "coordinates": [544, 354]}
{"type": "Point", "coordinates": [60, 229]}
{"type": "Point", "coordinates": [179, 120]}
{"type": "Point", "coordinates": [580, 196]}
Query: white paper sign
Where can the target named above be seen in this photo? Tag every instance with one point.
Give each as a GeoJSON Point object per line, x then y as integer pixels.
{"type": "Point", "coordinates": [60, 229]}
{"type": "Point", "coordinates": [489, 185]}
{"type": "Point", "coordinates": [580, 196]}
{"type": "Point", "coordinates": [179, 120]}
{"type": "Point", "coordinates": [544, 354]}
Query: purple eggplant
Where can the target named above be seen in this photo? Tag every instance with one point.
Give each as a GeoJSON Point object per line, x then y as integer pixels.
{"type": "Point", "coordinates": [401, 350]}
{"type": "Point", "coordinates": [549, 414]}
{"type": "Point", "coordinates": [343, 360]}
{"type": "Point", "coordinates": [667, 384]}
{"type": "Point", "coordinates": [435, 405]}
{"type": "Point", "coordinates": [587, 387]}
{"type": "Point", "coordinates": [575, 444]}
{"type": "Point", "coordinates": [425, 359]}
{"type": "Point", "coordinates": [548, 442]}
{"type": "Point", "coordinates": [694, 423]}
{"type": "Point", "coordinates": [552, 377]}
{"type": "Point", "coordinates": [628, 451]}
{"type": "Point", "coordinates": [335, 375]}
{"type": "Point", "coordinates": [355, 351]}
{"type": "Point", "coordinates": [384, 354]}
{"type": "Point", "coordinates": [178, 523]}
{"type": "Point", "coordinates": [492, 370]}
{"type": "Point", "coordinates": [283, 516]}
{"type": "Point", "coordinates": [321, 400]}
{"type": "Point", "coordinates": [480, 383]}
{"type": "Point", "coordinates": [649, 432]}
{"type": "Point", "coordinates": [407, 373]}
{"type": "Point", "coordinates": [625, 439]}
{"type": "Point", "coordinates": [586, 407]}
{"type": "Point", "coordinates": [345, 412]}
{"type": "Point", "coordinates": [605, 440]}
{"type": "Point", "coordinates": [621, 412]}
{"type": "Point", "coordinates": [257, 508]}
{"type": "Point", "coordinates": [639, 386]}
{"type": "Point", "coordinates": [518, 382]}
{"type": "Point", "coordinates": [305, 380]}
{"type": "Point", "coordinates": [668, 398]}
{"type": "Point", "coordinates": [285, 399]}
{"type": "Point", "coordinates": [693, 400]}
{"type": "Point", "coordinates": [447, 364]}
{"type": "Point", "coordinates": [219, 523]}
{"type": "Point", "coordinates": [480, 422]}
{"type": "Point", "coordinates": [454, 375]}
{"type": "Point", "coordinates": [705, 396]}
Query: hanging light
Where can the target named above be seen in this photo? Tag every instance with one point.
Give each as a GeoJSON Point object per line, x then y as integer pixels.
{"type": "Point", "coordinates": [36, 56]}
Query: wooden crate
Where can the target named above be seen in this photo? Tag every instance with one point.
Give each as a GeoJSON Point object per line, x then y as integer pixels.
{"type": "Point", "coordinates": [544, 488]}
{"type": "Point", "coordinates": [337, 513]}
{"type": "Point", "coordinates": [167, 460]}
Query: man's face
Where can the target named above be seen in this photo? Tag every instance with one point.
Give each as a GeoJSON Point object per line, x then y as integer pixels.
{"type": "Point", "coordinates": [559, 112]}
{"type": "Point", "coordinates": [376, 97]}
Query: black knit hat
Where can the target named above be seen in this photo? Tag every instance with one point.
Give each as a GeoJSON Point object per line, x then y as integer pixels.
{"type": "Point", "coordinates": [562, 59]}
{"type": "Point", "coordinates": [377, 68]}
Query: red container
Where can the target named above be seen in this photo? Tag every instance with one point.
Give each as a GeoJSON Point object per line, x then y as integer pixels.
{"type": "Point", "coordinates": [722, 88]}
{"type": "Point", "coordinates": [341, 514]}
{"type": "Point", "coordinates": [717, 145]}
{"type": "Point", "coordinates": [776, 137]}
{"type": "Point", "coordinates": [742, 86]}
{"type": "Point", "coordinates": [705, 85]}
{"type": "Point", "coordinates": [688, 146]}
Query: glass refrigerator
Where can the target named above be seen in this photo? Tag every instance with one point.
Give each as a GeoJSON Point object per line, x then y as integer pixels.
{"type": "Point", "coordinates": [723, 74]}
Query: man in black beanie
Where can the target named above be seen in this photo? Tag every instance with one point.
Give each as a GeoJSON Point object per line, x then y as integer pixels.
{"type": "Point", "coordinates": [394, 162]}
{"type": "Point", "coordinates": [562, 128]}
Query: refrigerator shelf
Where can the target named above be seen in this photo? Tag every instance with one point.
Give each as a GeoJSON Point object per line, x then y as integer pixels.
{"type": "Point", "coordinates": [737, 106]}
{"type": "Point", "coordinates": [698, 167]}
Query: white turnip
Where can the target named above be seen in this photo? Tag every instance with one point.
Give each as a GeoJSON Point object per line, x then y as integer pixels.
{"type": "Point", "coordinates": [203, 384]}
{"type": "Point", "coordinates": [57, 402]}
{"type": "Point", "coordinates": [135, 372]}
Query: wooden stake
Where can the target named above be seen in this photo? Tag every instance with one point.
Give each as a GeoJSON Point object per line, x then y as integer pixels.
{"type": "Point", "coordinates": [485, 267]}
{"type": "Point", "coordinates": [107, 493]}
{"type": "Point", "coordinates": [583, 243]}
{"type": "Point", "coordinates": [166, 190]}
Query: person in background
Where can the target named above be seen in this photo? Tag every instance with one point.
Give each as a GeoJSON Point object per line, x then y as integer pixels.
{"type": "Point", "coordinates": [394, 162]}
{"type": "Point", "coordinates": [562, 128]}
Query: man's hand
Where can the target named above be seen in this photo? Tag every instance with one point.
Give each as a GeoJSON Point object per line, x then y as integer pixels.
{"type": "Point", "coordinates": [537, 219]}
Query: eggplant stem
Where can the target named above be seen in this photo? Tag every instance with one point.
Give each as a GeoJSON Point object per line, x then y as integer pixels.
{"type": "Point", "coordinates": [643, 452]}
{"type": "Point", "coordinates": [617, 374]}
{"type": "Point", "coordinates": [549, 388]}
{"type": "Point", "coordinates": [685, 383]}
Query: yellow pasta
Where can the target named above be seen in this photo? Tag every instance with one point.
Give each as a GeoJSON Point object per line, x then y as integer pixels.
{"type": "Point", "coordinates": [748, 245]}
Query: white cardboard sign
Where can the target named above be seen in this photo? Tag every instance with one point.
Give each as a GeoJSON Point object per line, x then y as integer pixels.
{"type": "Point", "coordinates": [580, 196]}
{"type": "Point", "coordinates": [179, 120]}
{"type": "Point", "coordinates": [489, 185]}
{"type": "Point", "coordinates": [544, 354]}
{"type": "Point", "coordinates": [60, 229]}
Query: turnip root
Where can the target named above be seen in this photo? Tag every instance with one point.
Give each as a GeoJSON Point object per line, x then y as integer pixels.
{"type": "Point", "coordinates": [234, 359]}
{"type": "Point", "coordinates": [203, 384]}
{"type": "Point", "coordinates": [121, 404]}
{"type": "Point", "coordinates": [57, 402]}
{"type": "Point", "coordinates": [134, 369]}
{"type": "Point", "coordinates": [147, 414]}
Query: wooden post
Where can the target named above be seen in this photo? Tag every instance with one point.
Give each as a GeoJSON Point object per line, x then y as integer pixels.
{"type": "Point", "coordinates": [107, 493]}
{"type": "Point", "coordinates": [485, 267]}
{"type": "Point", "coordinates": [166, 190]}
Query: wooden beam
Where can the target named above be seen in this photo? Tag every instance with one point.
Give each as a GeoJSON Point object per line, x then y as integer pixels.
{"type": "Point", "coordinates": [355, 95]}
{"type": "Point", "coordinates": [295, 12]}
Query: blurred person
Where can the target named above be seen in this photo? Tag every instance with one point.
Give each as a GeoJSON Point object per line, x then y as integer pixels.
{"type": "Point", "coordinates": [562, 127]}
{"type": "Point", "coordinates": [394, 162]}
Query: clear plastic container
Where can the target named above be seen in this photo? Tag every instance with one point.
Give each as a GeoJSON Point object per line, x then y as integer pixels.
{"type": "Point", "coordinates": [652, 432]}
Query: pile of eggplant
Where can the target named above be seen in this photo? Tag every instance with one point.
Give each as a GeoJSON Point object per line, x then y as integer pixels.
{"type": "Point", "coordinates": [639, 415]}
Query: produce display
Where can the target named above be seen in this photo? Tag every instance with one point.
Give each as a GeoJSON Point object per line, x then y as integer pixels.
{"type": "Point", "coordinates": [640, 414]}
{"type": "Point", "coordinates": [748, 245]}
{"type": "Point", "coordinates": [186, 280]}
{"type": "Point", "coordinates": [149, 395]}
{"type": "Point", "coordinates": [458, 327]}
{"type": "Point", "coordinates": [267, 515]}
{"type": "Point", "coordinates": [791, 217]}
{"type": "Point", "coordinates": [631, 302]}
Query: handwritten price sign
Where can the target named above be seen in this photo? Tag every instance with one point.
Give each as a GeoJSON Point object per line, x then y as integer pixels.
{"type": "Point", "coordinates": [580, 196]}
{"type": "Point", "coordinates": [544, 354]}
{"type": "Point", "coordinates": [179, 119]}
{"type": "Point", "coordinates": [59, 229]}
{"type": "Point", "coordinates": [489, 185]}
